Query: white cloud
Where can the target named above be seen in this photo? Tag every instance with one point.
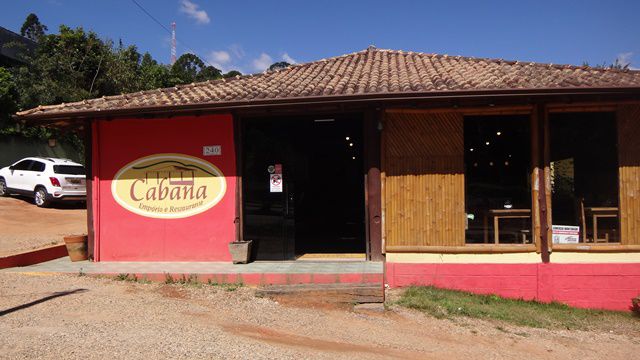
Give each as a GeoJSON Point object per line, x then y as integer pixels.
{"type": "Point", "coordinates": [262, 62]}
{"type": "Point", "coordinates": [624, 59]}
{"type": "Point", "coordinates": [191, 9]}
{"type": "Point", "coordinates": [288, 59]}
{"type": "Point", "coordinates": [237, 50]}
{"type": "Point", "coordinates": [219, 59]}
{"type": "Point", "coordinates": [221, 56]}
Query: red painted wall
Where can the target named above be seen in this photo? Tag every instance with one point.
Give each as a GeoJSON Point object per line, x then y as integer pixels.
{"type": "Point", "coordinates": [122, 235]}
{"type": "Point", "coordinates": [596, 286]}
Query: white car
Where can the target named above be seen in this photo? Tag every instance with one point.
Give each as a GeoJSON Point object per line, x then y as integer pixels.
{"type": "Point", "coordinates": [45, 179]}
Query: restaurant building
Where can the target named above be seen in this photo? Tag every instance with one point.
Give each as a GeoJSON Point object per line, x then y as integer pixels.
{"type": "Point", "coordinates": [492, 176]}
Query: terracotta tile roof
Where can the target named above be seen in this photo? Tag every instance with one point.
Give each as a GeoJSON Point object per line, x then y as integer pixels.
{"type": "Point", "coordinates": [368, 72]}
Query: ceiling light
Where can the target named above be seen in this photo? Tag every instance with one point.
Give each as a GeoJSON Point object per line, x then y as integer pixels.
{"type": "Point", "coordinates": [471, 149]}
{"type": "Point", "coordinates": [350, 144]}
{"type": "Point", "coordinates": [487, 143]}
{"type": "Point", "coordinates": [353, 157]}
{"type": "Point", "coordinates": [347, 138]}
{"type": "Point", "coordinates": [499, 133]}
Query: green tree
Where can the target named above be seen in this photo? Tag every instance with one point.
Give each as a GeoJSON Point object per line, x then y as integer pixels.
{"type": "Point", "coordinates": [123, 69]}
{"type": "Point", "coordinates": [69, 66]}
{"type": "Point", "coordinates": [8, 96]}
{"type": "Point", "coordinates": [232, 73]}
{"type": "Point", "coordinates": [279, 65]}
{"type": "Point", "coordinates": [152, 74]}
{"type": "Point", "coordinates": [32, 28]}
{"type": "Point", "coordinates": [190, 68]}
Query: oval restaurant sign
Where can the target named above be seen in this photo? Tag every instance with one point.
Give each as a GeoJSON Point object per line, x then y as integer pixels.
{"type": "Point", "coordinates": [168, 186]}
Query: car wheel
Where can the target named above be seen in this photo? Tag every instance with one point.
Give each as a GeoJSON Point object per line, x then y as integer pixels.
{"type": "Point", "coordinates": [40, 197]}
{"type": "Point", "coordinates": [3, 188]}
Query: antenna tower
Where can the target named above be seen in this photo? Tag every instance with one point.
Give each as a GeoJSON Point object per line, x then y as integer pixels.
{"type": "Point", "coordinates": [173, 42]}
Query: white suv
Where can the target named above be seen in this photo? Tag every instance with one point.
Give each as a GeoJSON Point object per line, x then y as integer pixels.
{"type": "Point", "coordinates": [45, 179]}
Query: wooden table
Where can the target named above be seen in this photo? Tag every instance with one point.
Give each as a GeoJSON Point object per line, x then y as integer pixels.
{"type": "Point", "coordinates": [498, 214]}
{"type": "Point", "coordinates": [596, 213]}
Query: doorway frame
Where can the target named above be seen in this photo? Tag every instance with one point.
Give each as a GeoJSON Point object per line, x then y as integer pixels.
{"type": "Point", "coordinates": [371, 132]}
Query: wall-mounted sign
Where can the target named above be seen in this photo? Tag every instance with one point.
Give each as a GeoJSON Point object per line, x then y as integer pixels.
{"type": "Point", "coordinates": [168, 186]}
{"type": "Point", "coordinates": [275, 183]}
{"type": "Point", "coordinates": [564, 234]}
{"type": "Point", "coordinates": [213, 150]}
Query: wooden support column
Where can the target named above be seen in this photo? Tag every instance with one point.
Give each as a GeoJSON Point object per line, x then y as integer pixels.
{"type": "Point", "coordinates": [88, 164]}
{"type": "Point", "coordinates": [373, 190]}
{"type": "Point", "coordinates": [543, 181]}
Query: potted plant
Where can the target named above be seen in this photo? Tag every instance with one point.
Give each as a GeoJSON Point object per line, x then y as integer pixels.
{"type": "Point", "coordinates": [76, 247]}
{"type": "Point", "coordinates": [240, 251]}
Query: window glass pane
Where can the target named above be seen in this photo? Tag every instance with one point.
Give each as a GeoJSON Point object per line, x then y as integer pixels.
{"type": "Point", "coordinates": [497, 179]}
{"type": "Point", "coordinates": [68, 169]}
{"type": "Point", "coordinates": [37, 166]}
{"type": "Point", "coordinates": [584, 177]}
{"type": "Point", "coordinates": [23, 165]}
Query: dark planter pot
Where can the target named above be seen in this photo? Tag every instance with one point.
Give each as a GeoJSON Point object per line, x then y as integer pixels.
{"type": "Point", "coordinates": [240, 251]}
{"type": "Point", "coordinates": [76, 247]}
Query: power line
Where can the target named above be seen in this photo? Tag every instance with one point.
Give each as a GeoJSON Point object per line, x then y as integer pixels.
{"type": "Point", "coordinates": [169, 31]}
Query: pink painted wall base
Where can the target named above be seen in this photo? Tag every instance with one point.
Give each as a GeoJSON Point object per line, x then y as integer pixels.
{"type": "Point", "coordinates": [595, 286]}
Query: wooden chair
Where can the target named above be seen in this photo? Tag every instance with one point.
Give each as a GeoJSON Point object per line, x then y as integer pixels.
{"type": "Point", "coordinates": [583, 219]}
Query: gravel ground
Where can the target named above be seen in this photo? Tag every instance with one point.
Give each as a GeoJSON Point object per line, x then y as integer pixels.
{"type": "Point", "coordinates": [24, 226]}
{"type": "Point", "coordinates": [106, 318]}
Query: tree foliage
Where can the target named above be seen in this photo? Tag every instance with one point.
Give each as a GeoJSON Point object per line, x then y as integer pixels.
{"type": "Point", "coordinates": [279, 66]}
{"type": "Point", "coordinates": [76, 64]}
{"type": "Point", "coordinates": [8, 95]}
{"type": "Point", "coordinates": [32, 28]}
{"type": "Point", "coordinates": [232, 73]}
{"type": "Point", "coordinates": [190, 68]}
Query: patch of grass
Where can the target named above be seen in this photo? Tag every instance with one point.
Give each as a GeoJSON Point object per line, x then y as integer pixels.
{"type": "Point", "coordinates": [191, 280]}
{"type": "Point", "coordinates": [168, 279]}
{"type": "Point", "coordinates": [442, 303]}
{"type": "Point", "coordinates": [132, 278]}
{"type": "Point", "coordinates": [226, 286]}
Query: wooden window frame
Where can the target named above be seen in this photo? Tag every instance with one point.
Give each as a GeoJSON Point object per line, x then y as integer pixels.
{"type": "Point", "coordinates": [535, 174]}
{"type": "Point", "coordinates": [541, 206]}
{"type": "Point", "coordinates": [582, 247]}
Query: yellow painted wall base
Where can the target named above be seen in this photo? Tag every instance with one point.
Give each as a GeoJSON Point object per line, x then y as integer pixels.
{"type": "Point", "coordinates": [513, 258]}
{"type": "Point", "coordinates": [509, 258]}
{"type": "Point", "coordinates": [582, 257]}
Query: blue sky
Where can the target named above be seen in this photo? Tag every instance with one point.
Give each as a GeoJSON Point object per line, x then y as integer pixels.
{"type": "Point", "coordinates": [250, 35]}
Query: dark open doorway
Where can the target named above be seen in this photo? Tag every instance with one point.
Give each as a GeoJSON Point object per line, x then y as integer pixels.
{"type": "Point", "coordinates": [319, 206]}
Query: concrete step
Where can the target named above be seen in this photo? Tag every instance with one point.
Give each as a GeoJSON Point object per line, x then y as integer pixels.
{"type": "Point", "coordinates": [340, 293]}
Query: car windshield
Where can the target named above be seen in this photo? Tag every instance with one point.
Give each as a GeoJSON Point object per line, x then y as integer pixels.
{"type": "Point", "coordinates": [68, 169]}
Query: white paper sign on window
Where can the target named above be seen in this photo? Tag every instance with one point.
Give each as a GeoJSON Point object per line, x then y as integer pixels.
{"type": "Point", "coordinates": [275, 183]}
{"type": "Point", "coordinates": [564, 234]}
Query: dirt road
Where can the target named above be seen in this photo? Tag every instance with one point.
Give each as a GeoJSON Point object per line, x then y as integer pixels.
{"type": "Point", "coordinates": [77, 317]}
{"type": "Point", "coordinates": [24, 226]}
